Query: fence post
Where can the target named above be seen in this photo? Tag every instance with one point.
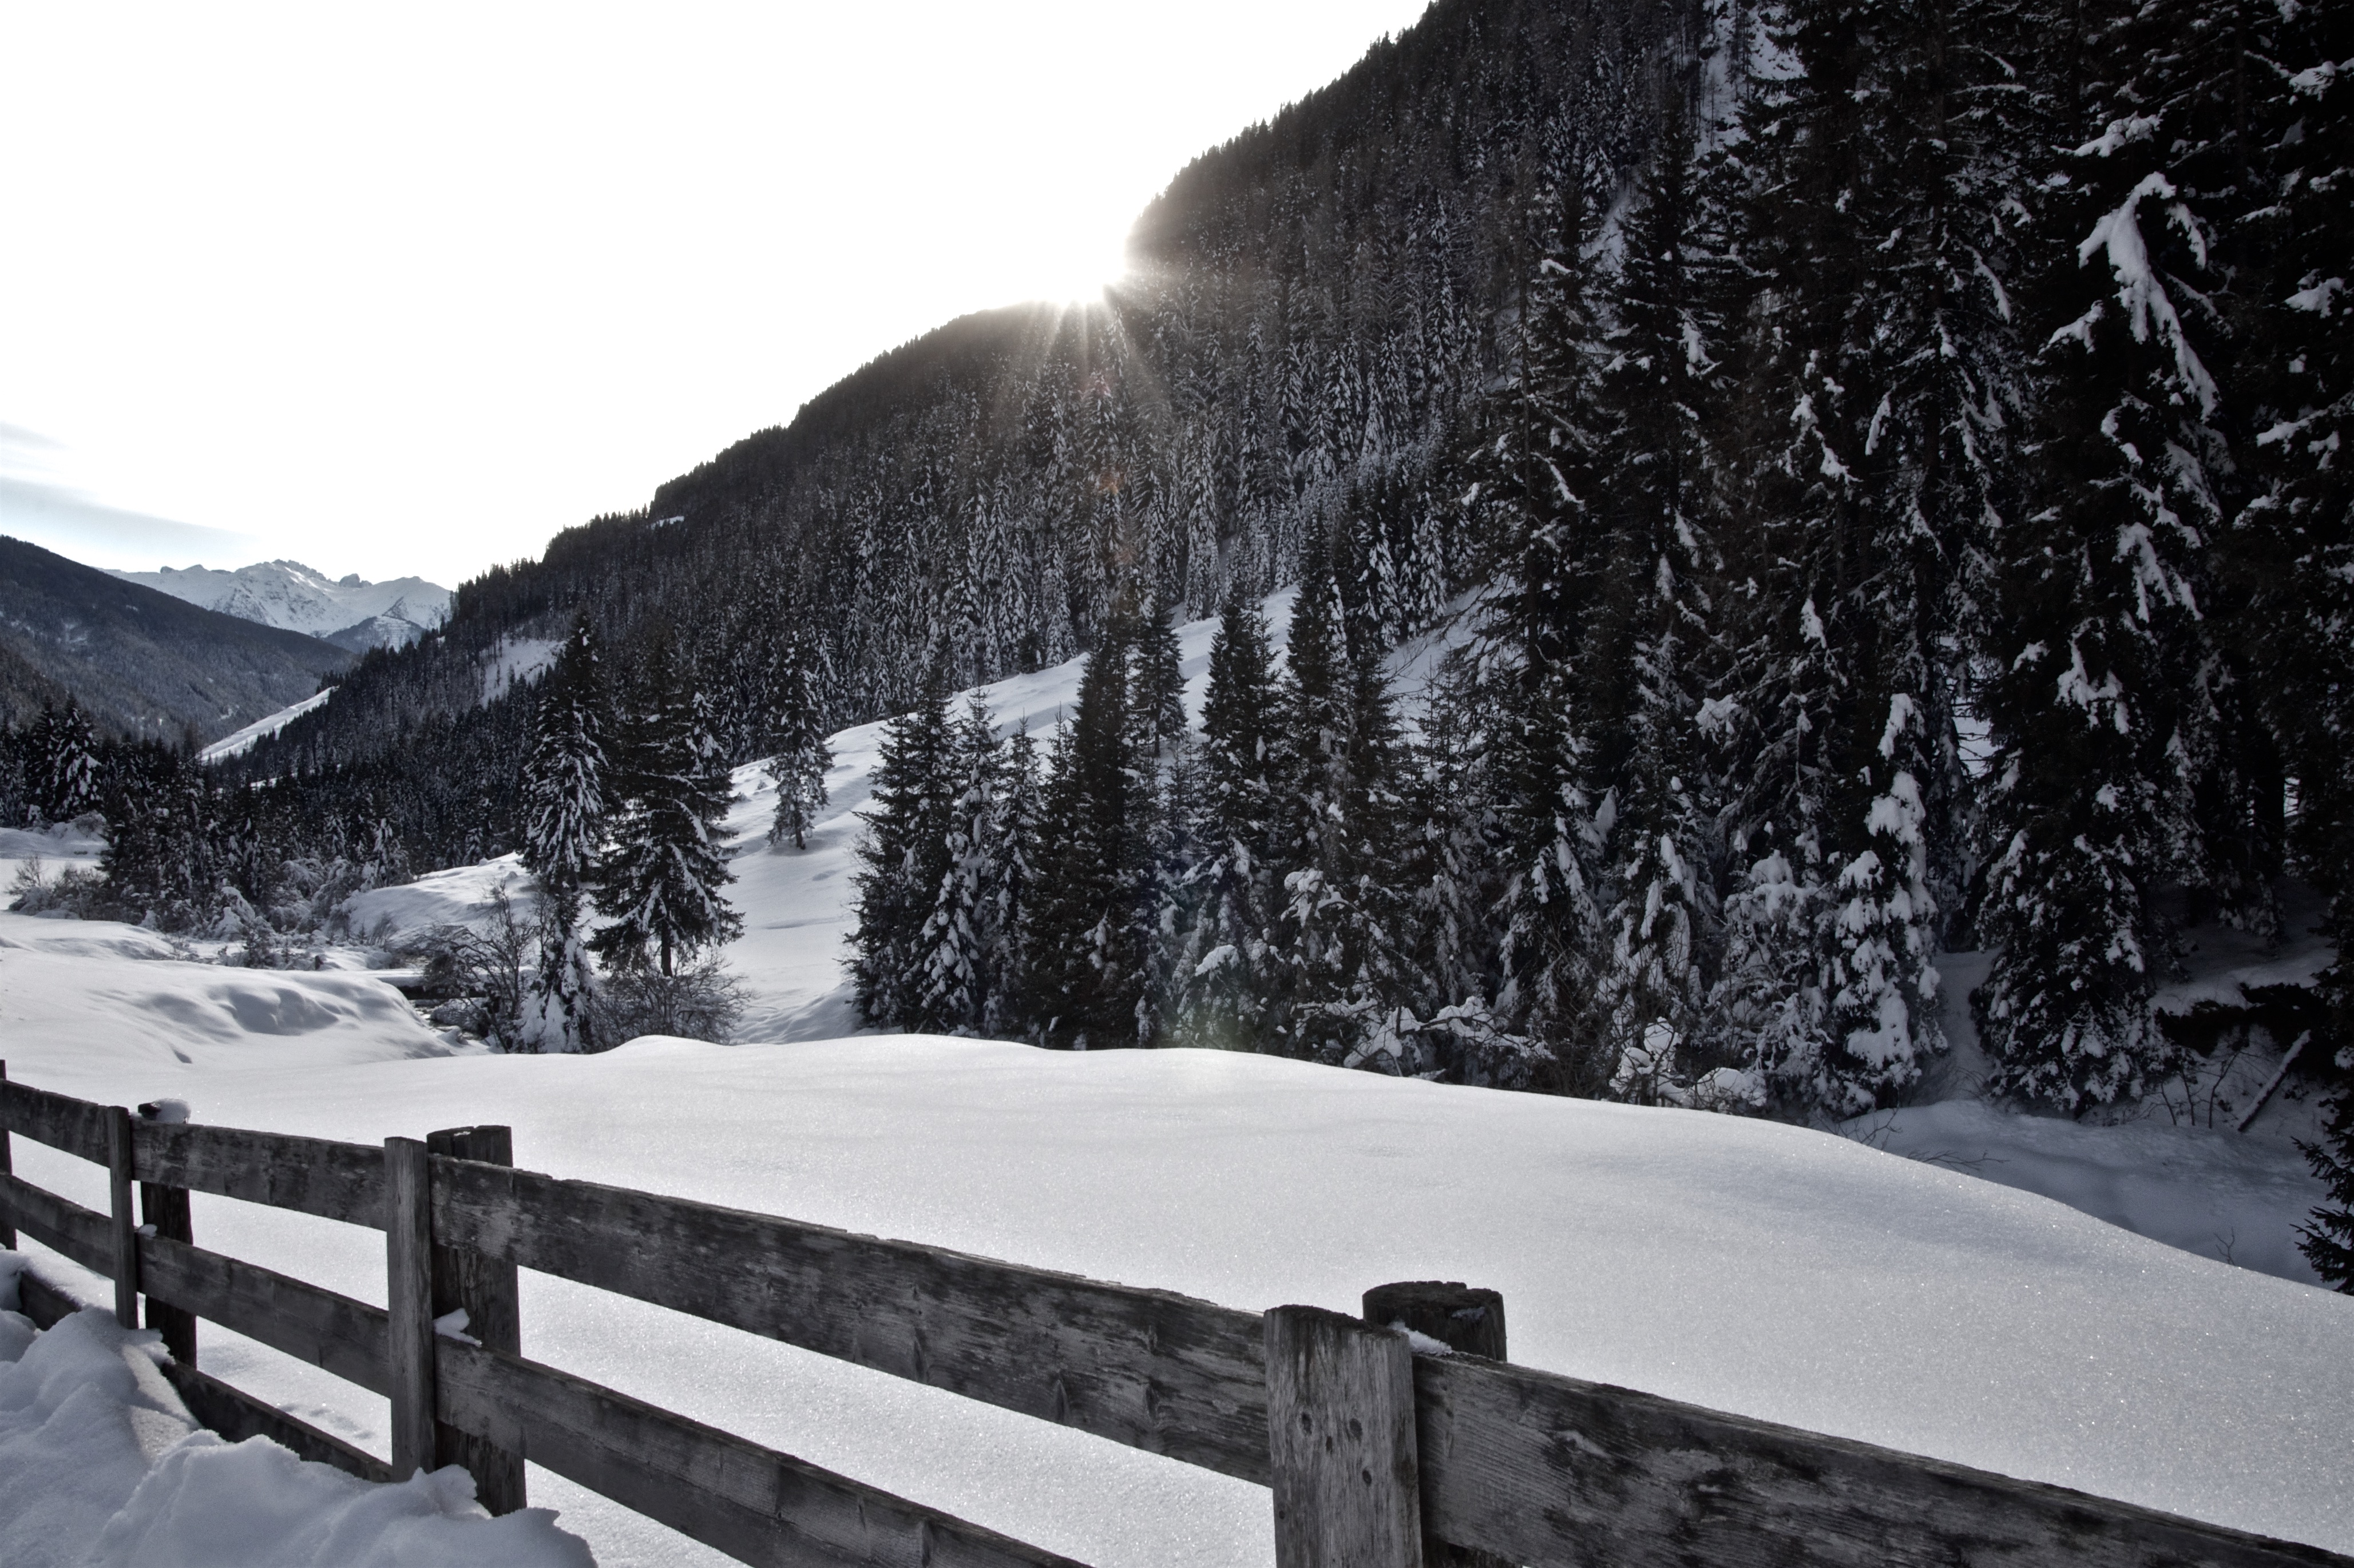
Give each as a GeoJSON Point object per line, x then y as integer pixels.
{"type": "Point", "coordinates": [1341, 1437]}
{"type": "Point", "coordinates": [1465, 1319]}
{"type": "Point", "coordinates": [485, 1289]}
{"type": "Point", "coordinates": [165, 1210]}
{"type": "Point", "coordinates": [1458, 1316]}
{"type": "Point", "coordinates": [409, 1300]}
{"type": "Point", "coordinates": [126, 1223]}
{"type": "Point", "coordinates": [7, 1230]}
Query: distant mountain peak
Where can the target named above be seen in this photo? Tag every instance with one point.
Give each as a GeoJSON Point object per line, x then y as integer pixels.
{"type": "Point", "coordinates": [349, 611]}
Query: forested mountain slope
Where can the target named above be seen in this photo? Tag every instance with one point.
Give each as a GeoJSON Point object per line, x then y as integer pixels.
{"type": "Point", "coordinates": [1314, 311]}
{"type": "Point", "coordinates": [143, 663]}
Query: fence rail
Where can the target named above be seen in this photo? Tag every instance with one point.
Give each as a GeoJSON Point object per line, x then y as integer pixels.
{"type": "Point", "coordinates": [1379, 1455]}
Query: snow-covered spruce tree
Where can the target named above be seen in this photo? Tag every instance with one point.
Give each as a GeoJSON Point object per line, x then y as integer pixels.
{"type": "Point", "coordinates": [903, 855]}
{"type": "Point", "coordinates": [565, 797]}
{"type": "Point", "coordinates": [1338, 950]}
{"type": "Point", "coordinates": [1541, 480]}
{"type": "Point", "coordinates": [1012, 882]}
{"type": "Point", "coordinates": [64, 772]}
{"type": "Point", "coordinates": [658, 886]}
{"type": "Point", "coordinates": [159, 859]}
{"type": "Point", "coordinates": [1091, 926]}
{"type": "Point", "coordinates": [2291, 549]}
{"type": "Point", "coordinates": [2098, 704]}
{"type": "Point", "coordinates": [796, 730]}
{"type": "Point", "coordinates": [1225, 990]}
{"type": "Point", "coordinates": [2328, 1238]}
{"type": "Point", "coordinates": [1882, 371]}
{"type": "Point", "coordinates": [1650, 656]}
{"type": "Point", "coordinates": [1156, 684]}
{"type": "Point", "coordinates": [958, 946]}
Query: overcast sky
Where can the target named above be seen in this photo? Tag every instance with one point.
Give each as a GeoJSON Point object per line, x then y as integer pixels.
{"type": "Point", "coordinates": [408, 288]}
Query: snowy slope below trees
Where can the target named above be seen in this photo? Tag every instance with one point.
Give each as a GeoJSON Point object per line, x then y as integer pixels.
{"type": "Point", "coordinates": [1746, 1264]}
{"type": "Point", "coordinates": [2214, 1193]}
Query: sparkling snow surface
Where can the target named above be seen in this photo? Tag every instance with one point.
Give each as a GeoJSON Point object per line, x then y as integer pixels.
{"type": "Point", "coordinates": [1757, 1267]}
{"type": "Point", "coordinates": [101, 1467]}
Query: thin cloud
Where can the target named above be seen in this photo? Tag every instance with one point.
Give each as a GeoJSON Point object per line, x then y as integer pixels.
{"type": "Point", "coordinates": [67, 521]}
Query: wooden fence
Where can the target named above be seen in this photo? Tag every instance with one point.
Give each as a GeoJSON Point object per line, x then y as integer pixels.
{"type": "Point", "coordinates": [1381, 1449]}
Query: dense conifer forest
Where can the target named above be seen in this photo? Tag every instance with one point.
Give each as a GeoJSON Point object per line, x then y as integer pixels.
{"type": "Point", "coordinates": [1885, 457]}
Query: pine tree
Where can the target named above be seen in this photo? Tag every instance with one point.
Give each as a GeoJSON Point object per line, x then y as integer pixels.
{"type": "Point", "coordinates": [565, 790]}
{"type": "Point", "coordinates": [1540, 485]}
{"type": "Point", "coordinates": [903, 855]}
{"type": "Point", "coordinates": [1156, 683]}
{"type": "Point", "coordinates": [1090, 929]}
{"type": "Point", "coordinates": [159, 859]}
{"type": "Point", "coordinates": [1650, 661]}
{"type": "Point", "coordinates": [1010, 880]}
{"type": "Point", "coordinates": [2327, 1240]}
{"type": "Point", "coordinates": [960, 942]}
{"type": "Point", "coordinates": [1338, 947]}
{"type": "Point", "coordinates": [66, 774]}
{"type": "Point", "coordinates": [2099, 702]}
{"type": "Point", "coordinates": [660, 883]}
{"type": "Point", "coordinates": [801, 757]}
{"type": "Point", "coordinates": [2291, 547]}
{"type": "Point", "coordinates": [1225, 987]}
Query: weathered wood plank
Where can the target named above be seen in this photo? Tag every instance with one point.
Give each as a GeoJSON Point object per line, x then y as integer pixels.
{"type": "Point", "coordinates": [753, 1503]}
{"type": "Point", "coordinates": [486, 1290]}
{"type": "Point", "coordinates": [1458, 1316]}
{"type": "Point", "coordinates": [308, 1175]}
{"type": "Point", "coordinates": [1155, 1370]}
{"type": "Point", "coordinates": [123, 1217]}
{"type": "Point", "coordinates": [1341, 1430]}
{"type": "Point", "coordinates": [44, 1303]}
{"type": "Point", "coordinates": [408, 1294]}
{"type": "Point", "coordinates": [82, 1235]}
{"type": "Point", "coordinates": [237, 1415]}
{"type": "Point", "coordinates": [1546, 1469]}
{"type": "Point", "coordinates": [1463, 1319]}
{"type": "Point", "coordinates": [7, 1167]}
{"type": "Point", "coordinates": [60, 1121]}
{"type": "Point", "coordinates": [332, 1332]}
{"type": "Point", "coordinates": [165, 1211]}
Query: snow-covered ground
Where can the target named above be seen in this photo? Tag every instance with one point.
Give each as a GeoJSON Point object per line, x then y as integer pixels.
{"type": "Point", "coordinates": [101, 1467]}
{"type": "Point", "coordinates": [1943, 1303]}
{"type": "Point", "coordinates": [242, 741]}
{"type": "Point", "coordinates": [1753, 1266]}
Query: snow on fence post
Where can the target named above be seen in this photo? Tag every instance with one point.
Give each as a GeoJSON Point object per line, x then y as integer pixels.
{"type": "Point", "coordinates": [7, 1231]}
{"type": "Point", "coordinates": [126, 1223]}
{"type": "Point", "coordinates": [1467, 1320]}
{"type": "Point", "coordinates": [1462, 1318]}
{"type": "Point", "coordinates": [486, 1290]}
{"type": "Point", "coordinates": [1341, 1437]}
{"type": "Point", "coordinates": [408, 1301]}
{"type": "Point", "coordinates": [165, 1210]}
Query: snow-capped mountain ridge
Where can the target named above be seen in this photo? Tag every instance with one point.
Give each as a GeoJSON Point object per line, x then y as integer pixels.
{"type": "Point", "coordinates": [347, 611]}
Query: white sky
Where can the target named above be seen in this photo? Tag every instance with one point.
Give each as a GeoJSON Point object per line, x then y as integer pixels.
{"type": "Point", "coordinates": [408, 288]}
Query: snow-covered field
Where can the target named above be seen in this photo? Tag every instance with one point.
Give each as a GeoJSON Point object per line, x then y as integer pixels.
{"type": "Point", "coordinates": [1941, 1303]}
{"type": "Point", "coordinates": [101, 1467]}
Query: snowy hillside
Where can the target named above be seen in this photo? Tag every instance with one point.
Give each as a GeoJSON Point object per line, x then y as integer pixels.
{"type": "Point", "coordinates": [2238, 1197]}
{"type": "Point", "coordinates": [347, 611]}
